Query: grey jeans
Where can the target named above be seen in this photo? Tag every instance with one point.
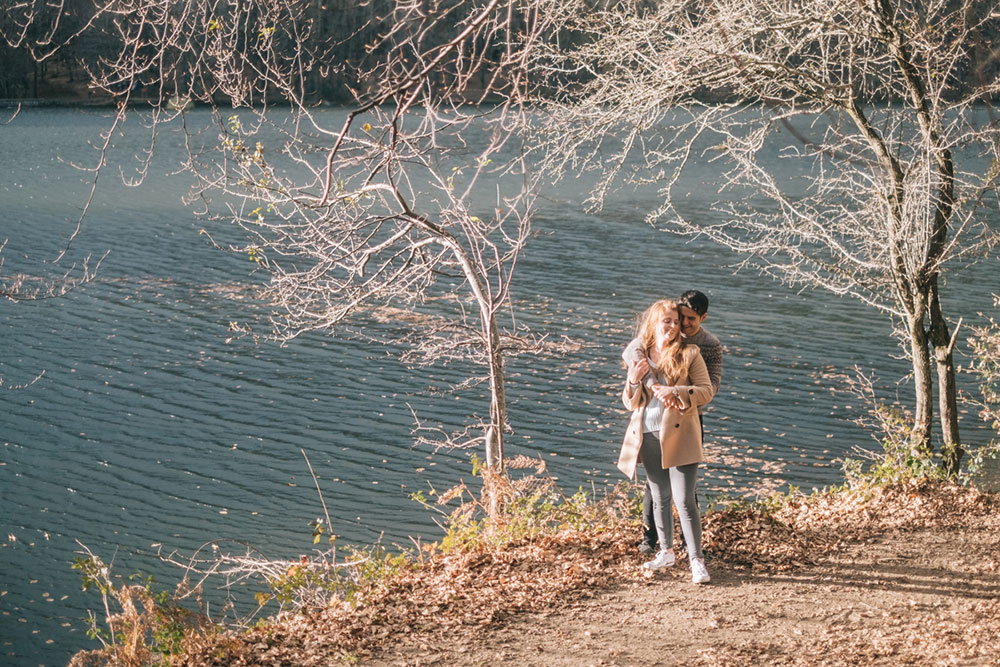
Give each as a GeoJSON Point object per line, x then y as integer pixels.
{"type": "Point", "coordinates": [677, 483]}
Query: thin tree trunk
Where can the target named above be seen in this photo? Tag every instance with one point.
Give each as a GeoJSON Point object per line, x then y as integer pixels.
{"type": "Point", "coordinates": [920, 437]}
{"type": "Point", "coordinates": [944, 344]}
{"type": "Point", "coordinates": [491, 334]}
{"type": "Point", "coordinates": [944, 202]}
{"type": "Point", "coordinates": [498, 412]}
{"type": "Point", "coordinates": [498, 401]}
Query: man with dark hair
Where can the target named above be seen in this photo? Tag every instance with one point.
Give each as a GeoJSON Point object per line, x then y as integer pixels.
{"type": "Point", "coordinates": [693, 307]}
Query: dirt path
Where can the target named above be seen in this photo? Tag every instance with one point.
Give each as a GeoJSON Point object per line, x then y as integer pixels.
{"type": "Point", "coordinates": [927, 597]}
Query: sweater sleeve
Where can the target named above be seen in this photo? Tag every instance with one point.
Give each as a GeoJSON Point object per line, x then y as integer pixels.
{"type": "Point", "coordinates": [634, 351]}
{"type": "Point", "coordinates": [712, 355]}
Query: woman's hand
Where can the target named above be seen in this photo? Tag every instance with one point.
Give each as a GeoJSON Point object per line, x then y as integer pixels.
{"type": "Point", "coordinates": [637, 370]}
{"type": "Point", "coordinates": [668, 396]}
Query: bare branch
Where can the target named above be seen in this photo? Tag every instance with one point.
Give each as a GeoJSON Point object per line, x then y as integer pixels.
{"type": "Point", "coordinates": [870, 105]}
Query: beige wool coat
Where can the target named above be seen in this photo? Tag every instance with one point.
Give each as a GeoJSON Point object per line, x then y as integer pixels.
{"type": "Point", "coordinates": [680, 430]}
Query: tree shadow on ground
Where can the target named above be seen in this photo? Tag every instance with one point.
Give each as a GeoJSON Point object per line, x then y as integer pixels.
{"type": "Point", "coordinates": [898, 578]}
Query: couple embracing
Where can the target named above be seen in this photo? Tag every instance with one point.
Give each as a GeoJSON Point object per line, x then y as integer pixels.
{"type": "Point", "coordinates": [674, 369]}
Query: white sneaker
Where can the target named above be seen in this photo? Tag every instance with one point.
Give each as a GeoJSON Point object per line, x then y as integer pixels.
{"type": "Point", "coordinates": [664, 558]}
{"type": "Point", "coordinates": [699, 573]}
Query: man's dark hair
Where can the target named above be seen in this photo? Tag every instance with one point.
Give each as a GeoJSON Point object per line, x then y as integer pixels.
{"type": "Point", "coordinates": [694, 300]}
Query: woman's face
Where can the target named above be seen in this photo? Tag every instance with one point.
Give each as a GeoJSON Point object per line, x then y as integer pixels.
{"type": "Point", "coordinates": [668, 327]}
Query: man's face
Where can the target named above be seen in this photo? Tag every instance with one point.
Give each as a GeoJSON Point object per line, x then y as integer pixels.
{"type": "Point", "coordinates": [690, 321]}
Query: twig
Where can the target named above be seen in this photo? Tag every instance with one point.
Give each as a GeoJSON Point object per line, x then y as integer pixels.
{"type": "Point", "coordinates": [326, 513]}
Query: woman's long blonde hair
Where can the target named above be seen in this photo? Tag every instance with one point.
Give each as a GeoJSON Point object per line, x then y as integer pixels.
{"type": "Point", "coordinates": [673, 363]}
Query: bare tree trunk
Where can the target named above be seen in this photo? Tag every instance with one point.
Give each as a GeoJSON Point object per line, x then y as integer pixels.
{"type": "Point", "coordinates": [494, 358]}
{"type": "Point", "coordinates": [943, 199]}
{"type": "Point", "coordinates": [923, 416]}
{"type": "Point", "coordinates": [498, 411]}
{"type": "Point", "coordinates": [944, 344]}
{"type": "Point", "coordinates": [498, 400]}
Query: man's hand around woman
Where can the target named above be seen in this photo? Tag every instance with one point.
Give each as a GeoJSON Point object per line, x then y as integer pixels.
{"type": "Point", "coordinates": [667, 396]}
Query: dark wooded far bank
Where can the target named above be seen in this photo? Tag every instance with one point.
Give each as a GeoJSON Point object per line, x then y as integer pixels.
{"type": "Point", "coordinates": [57, 52]}
{"type": "Point", "coordinates": [54, 53]}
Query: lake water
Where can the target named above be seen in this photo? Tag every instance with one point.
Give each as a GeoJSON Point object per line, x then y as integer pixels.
{"type": "Point", "coordinates": [148, 429]}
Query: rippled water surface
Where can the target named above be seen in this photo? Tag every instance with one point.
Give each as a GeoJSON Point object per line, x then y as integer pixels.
{"type": "Point", "coordinates": [148, 430]}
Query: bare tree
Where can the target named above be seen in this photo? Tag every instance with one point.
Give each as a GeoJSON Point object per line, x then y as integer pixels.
{"type": "Point", "coordinates": [418, 196]}
{"type": "Point", "coordinates": [33, 33]}
{"type": "Point", "coordinates": [887, 162]}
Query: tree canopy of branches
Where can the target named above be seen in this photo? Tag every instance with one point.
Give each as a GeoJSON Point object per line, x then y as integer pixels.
{"type": "Point", "coordinates": [417, 192]}
{"type": "Point", "coordinates": [878, 108]}
{"type": "Point", "coordinates": [31, 35]}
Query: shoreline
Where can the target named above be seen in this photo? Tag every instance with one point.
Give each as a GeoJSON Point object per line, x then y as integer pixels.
{"type": "Point", "coordinates": [67, 103]}
{"type": "Point", "coordinates": [902, 573]}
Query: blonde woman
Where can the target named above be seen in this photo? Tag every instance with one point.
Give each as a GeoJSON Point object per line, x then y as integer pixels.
{"type": "Point", "coordinates": [664, 391]}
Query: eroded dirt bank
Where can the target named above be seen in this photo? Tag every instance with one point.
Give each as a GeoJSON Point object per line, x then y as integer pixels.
{"type": "Point", "coordinates": [904, 574]}
{"type": "Point", "coordinates": [898, 588]}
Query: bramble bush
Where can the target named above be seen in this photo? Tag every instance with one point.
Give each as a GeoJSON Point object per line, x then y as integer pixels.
{"type": "Point", "coordinates": [141, 626]}
{"type": "Point", "coordinates": [985, 365]}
